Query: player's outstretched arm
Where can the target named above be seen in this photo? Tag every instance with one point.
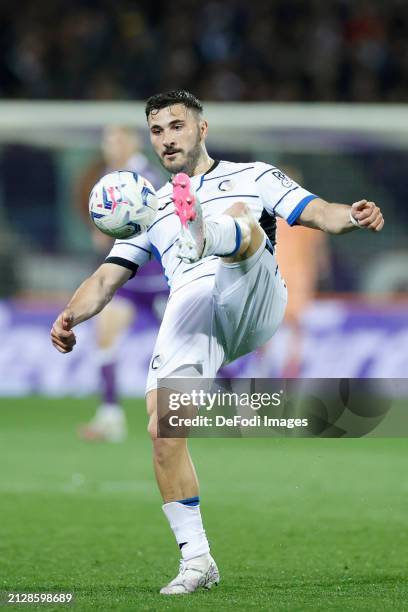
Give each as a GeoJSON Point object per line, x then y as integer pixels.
{"type": "Point", "coordinates": [89, 299]}
{"type": "Point", "coordinates": [340, 218]}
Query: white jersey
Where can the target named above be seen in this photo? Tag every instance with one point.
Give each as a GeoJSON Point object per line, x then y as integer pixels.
{"type": "Point", "coordinates": [264, 188]}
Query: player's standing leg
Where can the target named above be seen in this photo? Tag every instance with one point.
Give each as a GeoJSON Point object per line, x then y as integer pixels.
{"type": "Point", "coordinates": [234, 236]}
{"type": "Point", "coordinates": [178, 484]}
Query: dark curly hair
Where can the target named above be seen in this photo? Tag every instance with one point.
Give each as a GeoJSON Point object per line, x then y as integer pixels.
{"type": "Point", "coordinates": [177, 96]}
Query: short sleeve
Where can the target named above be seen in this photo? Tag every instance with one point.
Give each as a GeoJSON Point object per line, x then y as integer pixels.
{"type": "Point", "coordinates": [279, 194]}
{"type": "Point", "coordinates": [131, 253]}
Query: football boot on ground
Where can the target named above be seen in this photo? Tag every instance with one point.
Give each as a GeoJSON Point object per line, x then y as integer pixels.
{"type": "Point", "coordinates": [198, 573]}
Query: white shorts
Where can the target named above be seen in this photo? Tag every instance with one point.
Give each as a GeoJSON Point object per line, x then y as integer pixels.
{"type": "Point", "coordinates": [212, 321]}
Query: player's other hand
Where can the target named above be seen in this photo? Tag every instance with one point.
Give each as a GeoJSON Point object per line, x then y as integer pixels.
{"type": "Point", "coordinates": [368, 215]}
{"type": "Point", "coordinates": [62, 336]}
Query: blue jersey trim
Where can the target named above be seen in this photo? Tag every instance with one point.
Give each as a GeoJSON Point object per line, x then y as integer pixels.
{"type": "Point", "coordinates": [169, 247]}
{"type": "Point", "coordinates": [238, 238]}
{"type": "Point", "coordinates": [190, 501]}
{"type": "Point", "coordinates": [156, 253]}
{"type": "Point", "coordinates": [214, 178]}
{"type": "Point", "coordinates": [269, 246]}
{"type": "Point", "coordinates": [189, 283]}
{"type": "Point", "coordinates": [284, 196]}
{"type": "Point", "coordinates": [203, 276]}
{"type": "Point", "coordinates": [296, 212]}
{"type": "Point", "coordinates": [176, 268]}
{"type": "Point", "coordinates": [199, 264]}
{"type": "Point", "coordinates": [134, 245]}
{"type": "Point", "coordinates": [240, 195]}
{"type": "Point", "coordinates": [198, 278]}
{"type": "Point", "coordinates": [201, 183]}
{"type": "Point", "coordinates": [265, 171]}
{"type": "Point", "coordinates": [158, 220]}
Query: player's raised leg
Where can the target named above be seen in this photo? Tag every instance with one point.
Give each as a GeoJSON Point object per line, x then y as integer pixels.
{"type": "Point", "coordinates": [234, 235]}
{"type": "Point", "coordinates": [178, 484]}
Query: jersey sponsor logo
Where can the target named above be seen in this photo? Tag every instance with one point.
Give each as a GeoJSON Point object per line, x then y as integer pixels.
{"type": "Point", "coordinates": [285, 180]}
{"type": "Point", "coordinates": [226, 185]}
{"type": "Point", "coordinates": [163, 206]}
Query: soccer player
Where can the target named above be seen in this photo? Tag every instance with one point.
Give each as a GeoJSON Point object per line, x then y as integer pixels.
{"type": "Point", "coordinates": [214, 233]}
{"type": "Point", "coordinates": [302, 256]}
{"type": "Point", "coordinates": [121, 150]}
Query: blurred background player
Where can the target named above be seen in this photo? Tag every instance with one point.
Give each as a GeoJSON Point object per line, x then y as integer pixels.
{"type": "Point", "coordinates": [303, 258]}
{"type": "Point", "coordinates": [120, 150]}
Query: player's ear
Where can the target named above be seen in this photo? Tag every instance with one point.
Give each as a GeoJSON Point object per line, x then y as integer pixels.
{"type": "Point", "coordinates": [203, 125]}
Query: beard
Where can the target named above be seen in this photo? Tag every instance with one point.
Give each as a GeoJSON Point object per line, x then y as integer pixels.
{"type": "Point", "coordinates": [190, 161]}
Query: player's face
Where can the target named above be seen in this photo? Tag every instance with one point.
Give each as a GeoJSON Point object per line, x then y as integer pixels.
{"type": "Point", "coordinates": [177, 135]}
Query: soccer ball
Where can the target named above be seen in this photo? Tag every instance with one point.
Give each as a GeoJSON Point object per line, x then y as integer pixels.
{"type": "Point", "coordinates": [122, 204]}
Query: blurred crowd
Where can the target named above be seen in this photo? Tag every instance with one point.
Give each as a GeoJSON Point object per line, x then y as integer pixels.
{"type": "Point", "coordinates": [280, 50]}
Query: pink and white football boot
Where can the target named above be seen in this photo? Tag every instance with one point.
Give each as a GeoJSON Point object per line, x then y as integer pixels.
{"type": "Point", "coordinates": [198, 573]}
{"type": "Point", "coordinates": [191, 243]}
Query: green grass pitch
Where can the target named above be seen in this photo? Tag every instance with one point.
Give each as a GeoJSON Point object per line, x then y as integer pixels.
{"type": "Point", "coordinates": [295, 525]}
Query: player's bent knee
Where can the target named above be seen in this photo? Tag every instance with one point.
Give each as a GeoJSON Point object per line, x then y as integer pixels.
{"type": "Point", "coordinates": [243, 215]}
{"type": "Point", "coordinates": [246, 234]}
{"type": "Point", "coordinates": [252, 234]}
{"type": "Point", "coordinates": [238, 209]}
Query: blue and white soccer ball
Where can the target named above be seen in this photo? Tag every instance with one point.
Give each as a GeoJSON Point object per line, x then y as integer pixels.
{"type": "Point", "coordinates": [123, 204]}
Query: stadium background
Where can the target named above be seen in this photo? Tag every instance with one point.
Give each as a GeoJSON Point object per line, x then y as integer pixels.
{"type": "Point", "coordinates": [272, 75]}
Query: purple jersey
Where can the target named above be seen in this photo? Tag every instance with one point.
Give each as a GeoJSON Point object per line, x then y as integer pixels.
{"type": "Point", "coordinates": [143, 288]}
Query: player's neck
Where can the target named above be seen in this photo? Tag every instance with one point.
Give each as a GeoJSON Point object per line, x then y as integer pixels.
{"type": "Point", "coordinates": [203, 165]}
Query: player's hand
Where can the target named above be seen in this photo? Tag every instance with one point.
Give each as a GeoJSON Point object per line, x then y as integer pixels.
{"type": "Point", "coordinates": [62, 336]}
{"type": "Point", "coordinates": [368, 215]}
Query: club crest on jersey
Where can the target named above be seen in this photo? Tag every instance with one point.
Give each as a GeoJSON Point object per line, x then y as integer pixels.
{"type": "Point", "coordinates": [156, 362]}
{"type": "Point", "coordinates": [285, 180]}
{"type": "Point", "coordinates": [225, 185]}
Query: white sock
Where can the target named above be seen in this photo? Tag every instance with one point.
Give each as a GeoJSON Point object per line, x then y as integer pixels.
{"type": "Point", "coordinates": [222, 236]}
{"type": "Point", "coordinates": [188, 529]}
